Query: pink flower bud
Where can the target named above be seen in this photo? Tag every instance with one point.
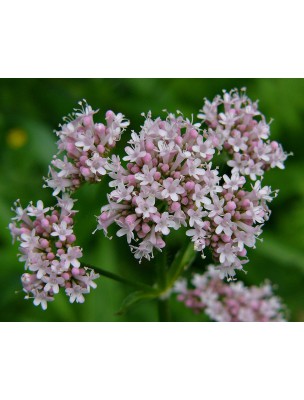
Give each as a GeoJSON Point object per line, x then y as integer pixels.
{"type": "Point", "coordinates": [147, 158]}
{"type": "Point", "coordinates": [189, 185]}
{"type": "Point", "coordinates": [193, 133]}
{"type": "Point", "coordinates": [75, 271]}
{"type": "Point", "coordinates": [85, 171]}
{"type": "Point", "coordinates": [50, 256]}
{"type": "Point", "coordinates": [71, 239]}
{"type": "Point", "coordinates": [100, 149]}
{"type": "Point", "coordinates": [175, 206]}
{"type": "Point", "coordinates": [149, 146]}
{"type": "Point", "coordinates": [44, 243]}
{"type": "Point", "coordinates": [87, 120]}
{"type": "Point", "coordinates": [165, 167]}
{"type": "Point", "coordinates": [145, 228]}
{"type": "Point", "coordinates": [230, 206]}
{"type": "Point", "coordinates": [45, 223]}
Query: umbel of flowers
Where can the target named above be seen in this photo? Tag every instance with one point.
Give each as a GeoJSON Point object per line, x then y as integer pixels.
{"type": "Point", "coordinates": [170, 181]}
{"type": "Point", "coordinates": [169, 178]}
{"type": "Point", "coordinates": [229, 302]}
{"type": "Point", "coordinates": [47, 247]}
{"type": "Point", "coordinates": [84, 146]}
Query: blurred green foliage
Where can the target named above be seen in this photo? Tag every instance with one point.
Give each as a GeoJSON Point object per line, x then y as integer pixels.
{"type": "Point", "coordinates": [30, 109]}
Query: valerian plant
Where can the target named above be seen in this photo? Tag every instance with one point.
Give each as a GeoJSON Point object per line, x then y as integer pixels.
{"type": "Point", "coordinates": [168, 179]}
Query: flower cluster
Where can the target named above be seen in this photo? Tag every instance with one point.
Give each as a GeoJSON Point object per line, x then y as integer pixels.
{"type": "Point", "coordinates": [236, 125]}
{"type": "Point", "coordinates": [169, 181]}
{"type": "Point", "coordinates": [47, 247]}
{"type": "Point", "coordinates": [234, 302]}
{"type": "Point", "coordinates": [84, 145]}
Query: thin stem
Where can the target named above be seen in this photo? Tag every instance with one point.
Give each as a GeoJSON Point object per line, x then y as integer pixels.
{"type": "Point", "coordinates": [118, 278]}
{"type": "Point", "coordinates": [163, 310]}
{"type": "Point", "coordinates": [162, 278]}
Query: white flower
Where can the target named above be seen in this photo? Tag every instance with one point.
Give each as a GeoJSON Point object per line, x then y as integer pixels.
{"type": "Point", "coordinates": [164, 223]}
{"type": "Point", "coordinates": [71, 257]}
{"type": "Point", "coordinates": [172, 189]}
{"type": "Point", "coordinates": [147, 177]}
{"type": "Point", "coordinates": [134, 153]}
{"type": "Point", "coordinates": [86, 141]}
{"type": "Point", "coordinates": [53, 282]}
{"type": "Point", "coordinates": [41, 298]}
{"type": "Point", "coordinates": [235, 182]}
{"type": "Point", "coordinates": [97, 164]}
{"type": "Point", "coordinates": [37, 211]}
{"type": "Point", "coordinates": [61, 230]}
{"type": "Point", "coordinates": [122, 193]}
{"type": "Point", "coordinates": [145, 206]}
{"type": "Point", "coordinates": [76, 293]}
{"type": "Point", "coordinates": [126, 229]}
{"type": "Point", "coordinates": [204, 148]}
{"type": "Point", "coordinates": [196, 216]}
{"type": "Point", "coordinates": [199, 196]}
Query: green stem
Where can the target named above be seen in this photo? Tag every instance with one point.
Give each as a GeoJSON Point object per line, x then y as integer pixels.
{"type": "Point", "coordinates": [183, 260]}
{"type": "Point", "coordinates": [162, 279]}
{"type": "Point", "coordinates": [163, 310]}
{"type": "Point", "coordinates": [118, 278]}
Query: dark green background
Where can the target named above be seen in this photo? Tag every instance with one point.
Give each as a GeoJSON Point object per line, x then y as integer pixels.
{"type": "Point", "coordinates": [37, 106]}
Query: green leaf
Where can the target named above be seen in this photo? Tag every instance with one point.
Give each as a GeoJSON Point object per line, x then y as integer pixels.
{"type": "Point", "coordinates": [281, 253]}
{"type": "Point", "coordinates": [183, 259]}
{"type": "Point", "coordinates": [134, 298]}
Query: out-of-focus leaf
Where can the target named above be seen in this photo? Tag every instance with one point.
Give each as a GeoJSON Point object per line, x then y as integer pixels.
{"type": "Point", "coordinates": [278, 251]}
{"type": "Point", "coordinates": [134, 298]}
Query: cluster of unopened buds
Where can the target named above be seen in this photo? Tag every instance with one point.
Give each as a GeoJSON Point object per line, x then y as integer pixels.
{"type": "Point", "coordinates": [229, 302]}
{"type": "Point", "coordinates": [169, 178]}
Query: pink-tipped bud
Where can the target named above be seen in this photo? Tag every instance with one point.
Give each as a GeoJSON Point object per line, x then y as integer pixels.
{"type": "Point", "coordinates": [60, 252]}
{"type": "Point", "coordinates": [45, 223]}
{"type": "Point", "coordinates": [103, 216]}
{"type": "Point", "coordinates": [83, 160]}
{"type": "Point", "coordinates": [130, 219]}
{"type": "Point", "coordinates": [175, 206]}
{"type": "Point", "coordinates": [149, 146]}
{"type": "Point", "coordinates": [58, 245]}
{"type": "Point", "coordinates": [225, 238]}
{"type": "Point", "coordinates": [228, 196]}
{"type": "Point", "coordinates": [100, 129]}
{"type": "Point", "coordinates": [71, 239]}
{"type": "Point", "coordinates": [147, 158]}
{"type": "Point", "coordinates": [189, 185]}
{"type": "Point", "coordinates": [145, 228]}
{"type": "Point", "coordinates": [242, 253]}
{"type": "Point", "coordinates": [87, 120]}
{"type": "Point", "coordinates": [157, 175]}
{"type": "Point", "coordinates": [230, 206]}
{"type": "Point", "coordinates": [110, 116]}
{"type": "Point", "coordinates": [178, 140]}
{"type": "Point", "coordinates": [165, 168]}
{"type": "Point", "coordinates": [66, 276]}
{"type": "Point", "coordinates": [193, 133]}
{"type": "Point", "coordinates": [100, 149]}
{"type": "Point", "coordinates": [44, 243]}
{"type": "Point", "coordinates": [53, 219]}
{"type": "Point", "coordinates": [75, 271]}
{"type": "Point", "coordinates": [246, 203]}
{"type": "Point", "coordinates": [85, 171]}
{"type": "Point", "coordinates": [132, 180]}
{"type": "Point", "coordinates": [50, 256]}
{"type": "Point", "coordinates": [135, 169]}
{"type": "Point", "coordinates": [274, 145]}
{"type": "Point", "coordinates": [177, 175]}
